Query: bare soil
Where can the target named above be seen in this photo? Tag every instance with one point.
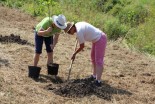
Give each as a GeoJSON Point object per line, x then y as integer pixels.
{"type": "Point", "coordinates": [128, 77]}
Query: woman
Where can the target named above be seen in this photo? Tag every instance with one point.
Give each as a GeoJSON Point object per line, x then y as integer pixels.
{"type": "Point", "coordinates": [44, 32]}
{"type": "Point", "coordinates": [86, 32]}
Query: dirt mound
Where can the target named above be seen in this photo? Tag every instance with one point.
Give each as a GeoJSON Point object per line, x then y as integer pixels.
{"type": "Point", "coordinates": [84, 87]}
{"type": "Point", "coordinates": [14, 39]}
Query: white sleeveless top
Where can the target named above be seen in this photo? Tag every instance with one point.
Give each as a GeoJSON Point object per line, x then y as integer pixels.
{"type": "Point", "coordinates": [87, 32]}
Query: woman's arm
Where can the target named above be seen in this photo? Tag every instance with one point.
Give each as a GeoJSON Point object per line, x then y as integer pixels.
{"type": "Point", "coordinates": [55, 40]}
{"type": "Point", "coordinates": [77, 51]}
{"type": "Point", "coordinates": [43, 32]}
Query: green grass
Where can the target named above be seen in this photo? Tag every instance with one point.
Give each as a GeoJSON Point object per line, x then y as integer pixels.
{"type": "Point", "coordinates": [117, 18]}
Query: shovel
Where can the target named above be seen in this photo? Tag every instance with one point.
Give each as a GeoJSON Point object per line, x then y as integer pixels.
{"type": "Point", "coordinates": [70, 67]}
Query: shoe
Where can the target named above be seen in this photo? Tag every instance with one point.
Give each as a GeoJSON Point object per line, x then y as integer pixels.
{"type": "Point", "coordinates": [98, 84]}
{"type": "Point", "coordinates": [91, 78]}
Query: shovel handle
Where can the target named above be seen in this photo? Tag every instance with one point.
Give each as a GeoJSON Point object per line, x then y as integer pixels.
{"type": "Point", "coordinates": [72, 61]}
{"type": "Point", "coordinates": [70, 70]}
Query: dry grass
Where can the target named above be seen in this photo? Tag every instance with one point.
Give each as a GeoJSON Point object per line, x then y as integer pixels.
{"type": "Point", "coordinates": [125, 70]}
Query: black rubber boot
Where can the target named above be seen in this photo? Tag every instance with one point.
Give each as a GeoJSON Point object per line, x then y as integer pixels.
{"type": "Point", "coordinates": [52, 69]}
{"type": "Point", "coordinates": [34, 72]}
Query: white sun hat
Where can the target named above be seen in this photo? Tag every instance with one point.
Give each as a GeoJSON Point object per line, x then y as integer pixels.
{"type": "Point", "coordinates": [60, 21]}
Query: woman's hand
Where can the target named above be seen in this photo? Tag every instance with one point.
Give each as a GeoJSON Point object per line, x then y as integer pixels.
{"type": "Point", "coordinates": [73, 57]}
{"type": "Point", "coordinates": [52, 46]}
{"type": "Point", "coordinates": [49, 29]}
{"type": "Point", "coordinates": [43, 32]}
{"type": "Point", "coordinates": [77, 51]}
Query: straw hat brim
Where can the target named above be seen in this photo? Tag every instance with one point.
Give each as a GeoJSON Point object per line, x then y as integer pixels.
{"type": "Point", "coordinates": [69, 26]}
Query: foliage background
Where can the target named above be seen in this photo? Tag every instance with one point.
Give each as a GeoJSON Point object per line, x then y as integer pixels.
{"type": "Point", "coordinates": [132, 20]}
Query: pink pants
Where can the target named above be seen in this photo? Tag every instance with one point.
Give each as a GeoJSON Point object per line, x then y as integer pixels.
{"type": "Point", "coordinates": [98, 51]}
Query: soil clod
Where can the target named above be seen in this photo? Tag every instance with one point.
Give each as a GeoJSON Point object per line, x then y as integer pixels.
{"type": "Point", "coordinates": [14, 39]}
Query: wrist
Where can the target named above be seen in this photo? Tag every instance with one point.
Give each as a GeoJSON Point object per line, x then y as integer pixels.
{"type": "Point", "coordinates": [74, 54]}
{"type": "Point", "coordinates": [46, 32]}
{"type": "Point", "coordinates": [54, 44]}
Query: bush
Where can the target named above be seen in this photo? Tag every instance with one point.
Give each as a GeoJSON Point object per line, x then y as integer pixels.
{"type": "Point", "coordinates": [12, 3]}
{"type": "Point", "coordinates": [142, 37]}
{"type": "Point", "coordinates": [108, 5]}
{"type": "Point", "coordinates": [133, 15]}
{"type": "Point", "coordinates": [114, 29]}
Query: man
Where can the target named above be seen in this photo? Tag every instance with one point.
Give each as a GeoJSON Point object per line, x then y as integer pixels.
{"type": "Point", "coordinates": [86, 32]}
